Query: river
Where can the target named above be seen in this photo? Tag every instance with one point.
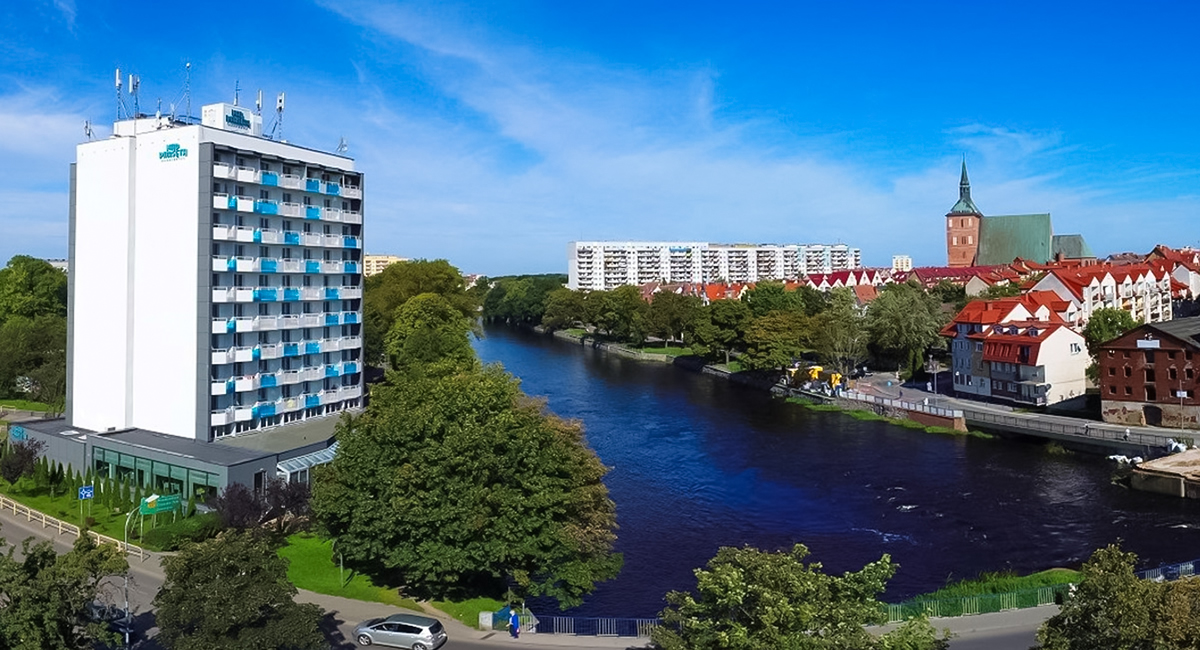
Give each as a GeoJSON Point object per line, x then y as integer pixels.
{"type": "Point", "coordinates": [699, 462]}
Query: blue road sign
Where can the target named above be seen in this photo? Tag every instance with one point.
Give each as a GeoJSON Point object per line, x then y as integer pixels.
{"type": "Point", "coordinates": [17, 433]}
{"type": "Point", "coordinates": [87, 492]}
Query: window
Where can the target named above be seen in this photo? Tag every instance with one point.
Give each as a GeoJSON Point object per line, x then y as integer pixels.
{"type": "Point", "coordinates": [1112, 372]}
{"type": "Point", "coordinates": [1171, 374]}
{"type": "Point", "coordinates": [1149, 375]}
{"type": "Point", "coordinates": [1128, 390]}
{"type": "Point", "coordinates": [1112, 390]}
{"type": "Point", "coordinates": [1128, 371]}
{"type": "Point", "coordinates": [969, 239]}
{"type": "Point", "coordinates": [287, 197]}
{"type": "Point", "coordinates": [1151, 394]}
{"type": "Point", "coordinates": [954, 241]}
{"type": "Point", "coordinates": [1171, 355]}
{"type": "Point", "coordinates": [1125, 354]}
{"type": "Point", "coordinates": [979, 346]}
{"type": "Point", "coordinates": [1188, 373]}
{"type": "Point", "coordinates": [1149, 356]}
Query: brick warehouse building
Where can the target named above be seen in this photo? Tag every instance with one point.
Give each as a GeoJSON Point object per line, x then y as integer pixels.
{"type": "Point", "coordinates": [1148, 375]}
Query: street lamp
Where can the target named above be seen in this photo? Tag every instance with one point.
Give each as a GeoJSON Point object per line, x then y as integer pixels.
{"type": "Point", "coordinates": [125, 550]}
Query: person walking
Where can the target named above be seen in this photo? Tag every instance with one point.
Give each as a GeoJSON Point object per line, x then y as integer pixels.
{"type": "Point", "coordinates": [514, 623]}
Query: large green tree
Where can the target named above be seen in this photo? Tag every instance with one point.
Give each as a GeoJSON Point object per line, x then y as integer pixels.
{"type": "Point", "coordinates": [564, 307]}
{"type": "Point", "coordinates": [30, 287]}
{"type": "Point", "coordinates": [749, 599]}
{"type": "Point", "coordinates": [46, 596]}
{"type": "Point", "coordinates": [720, 329]}
{"type": "Point", "coordinates": [1106, 324]}
{"type": "Point", "coordinates": [33, 357]}
{"type": "Point", "coordinates": [232, 592]}
{"type": "Point", "coordinates": [620, 313]}
{"type": "Point", "coordinates": [521, 299]}
{"type": "Point", "coordinates": [767, 297]}
{"type": "Point", "coordinates": [1111, 608]}
{"type": "Point", "coordinates": [774, 340]}
{"type": "Point", "coordinates": [457, 484]}
{"type": "Point", "coordinates": [386, 291]}
{"type": "Point", "coordinates": [428, 330]}
{"type": "Point", "coordinates": [670, 314]}
{"type": "Point", "coordinates": [842, 335]}
{"type": "Point", "coordinates": [903, 322]}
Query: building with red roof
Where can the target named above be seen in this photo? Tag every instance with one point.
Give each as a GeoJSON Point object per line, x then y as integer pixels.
{"type": "Point", "coordinates": [1144, 290]}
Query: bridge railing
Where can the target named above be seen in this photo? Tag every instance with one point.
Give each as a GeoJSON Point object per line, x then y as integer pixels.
{"type": "Point", "coordinates": [631, 627]}
{"type": "Point", "coordinates": [1096, 431]}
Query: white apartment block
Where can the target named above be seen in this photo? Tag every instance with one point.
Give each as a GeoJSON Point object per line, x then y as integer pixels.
{"type": "Point", "coordinates": [375, 264]}
{"type": "Point", "coordinates": [604, 265]}
{"type": "Point", "coordinates": [902, 263]}
{"type": "Point", "coordinates": [216, 279]}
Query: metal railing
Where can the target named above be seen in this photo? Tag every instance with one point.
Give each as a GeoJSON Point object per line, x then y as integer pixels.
{"type": "Point", "coordinates": [900, 404]}
{"type": "Point", "coordinates": [632, 627]}
{"type": "Point", "coordinates": [1052, 425]}
{"type": "Point", "coordinates": [65, 528]}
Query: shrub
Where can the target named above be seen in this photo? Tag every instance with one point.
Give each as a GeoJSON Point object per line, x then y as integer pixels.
{"type": "Point", "coordinates": [170, 537]}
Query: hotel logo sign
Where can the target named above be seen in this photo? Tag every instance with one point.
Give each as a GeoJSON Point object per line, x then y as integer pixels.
{"type": "Point", "coordinates": [172, 152]}
{"type": "Point", "coordinates": [237, 120]}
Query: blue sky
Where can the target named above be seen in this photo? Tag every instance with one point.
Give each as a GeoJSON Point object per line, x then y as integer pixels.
{"type": "Point", "coordinates": [493, 134]}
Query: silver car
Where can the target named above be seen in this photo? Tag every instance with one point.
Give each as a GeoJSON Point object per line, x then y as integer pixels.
{"type": "Point", "coordinates": [402, 631]}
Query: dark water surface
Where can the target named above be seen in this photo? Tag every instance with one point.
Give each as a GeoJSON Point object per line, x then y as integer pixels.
{"type": "Point", "coordinates": [698, 462]}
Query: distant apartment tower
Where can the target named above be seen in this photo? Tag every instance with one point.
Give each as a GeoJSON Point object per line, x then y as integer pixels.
{"type": "Point", "coordinates": [600, 265]}
{"type": "Point", "coordinates": [901, 263]}
{"type": "Point", "coordinates": [215, 289]}
{"type": "Point", "coordinates": [373, 264]}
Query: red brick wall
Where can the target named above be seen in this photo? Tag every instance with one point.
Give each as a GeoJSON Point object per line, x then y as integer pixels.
{"type": "Point", "coordinates": [962, 240]}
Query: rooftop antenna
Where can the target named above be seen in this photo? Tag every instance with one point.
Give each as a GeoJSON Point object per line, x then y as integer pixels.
{"type": "Point", "coordinates": [237, 89]}
{"type": "Point", "coordinates": [134, 83]}
{"type": "Point", "coordinates": [158, 109]}
{"type": "Point", "coordinates": [87, 130]}
{"type": "Point", "coordinates": [120, 101]}
{"type": "Point", "coordinates": [258, 103]}
{"type": "Point", "coordinates": [277, 126]}
{"type": "Point", "coordinates": [187, 89]}
{"type": "Point", "coordinates": [342, 146]}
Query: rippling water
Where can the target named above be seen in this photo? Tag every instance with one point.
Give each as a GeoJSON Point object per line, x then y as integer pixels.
{"type": "Point", "coordinates": [698, 463]}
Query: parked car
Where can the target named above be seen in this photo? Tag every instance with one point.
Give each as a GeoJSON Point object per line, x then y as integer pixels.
{"type": "Point", "coordinates": [402, 631]}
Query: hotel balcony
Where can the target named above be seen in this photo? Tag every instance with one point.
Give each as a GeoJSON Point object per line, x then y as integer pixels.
{"type": "Point", "coordinates": [268, 380]}
{"type": "Point", "coordinates": [232, 294]}
{"type": "Point", "coordinates": [312, 239]}
{"type": "Point", "coordinates": [332, 371]}
{"type": "Point", "coordinates": [310, 320]}
{"type": "Point", "coordinates": [350, 318]}
{"type": "Point", "coordinates": [222, 387]}
{"type": "Point", "coordinates": [243, 414]}
{"type": "Point", "coordinates": [291, 238]}
{"type": "Point", "coordinates": [351, 192]}
{"type": "Point", "coordinates": [349, 392]}
{"type": "Point", "coordinates": [312, 212]}
{"type": "Point", "coordinates": [349, 367]}
{"type": "Point", "coordinates": [289, 404]}
{"type": "Point", "coordinates": [264, 206]}
{"type": "Point", "coordinates": [263, 410]}
{"type": "Point", "coordinates": [332, 320]}
{"type": "Point", "coordinates": [266, 294]}
{"type": "Point", "coordinates": [288, 321]}
{"type": "Point", "coordinates": [331, 293]}
{"type": "Point", "coordinates": [242, 204]}
{"type": "Point", "coordinates": [270, 350]}
{"type": "Point", "coordinates": [290, 265]}
{"type": "Point", "coordinates": [291, 181]}
{"type": "Point", "coordinates": [351, 267]}
{"type": "Point", "coordinates": [312, 374]}
{"type": "Point", "coordinates": [291, 209]}
{"type": "Point", "coordinates": [221, 418]}
{"type": "Point", "coordinates": [351, 242]}
{"type": "Point", "coordinates": [331, 345]}
{"type": "Point", "coordinates": [351, 342]}
{"type": "Point", "coordinates": [291, 349]}
{"type": "Point", "coordinates": [312, 185]}
{"type": "Point", "coordinates": [247, 175]}
{"type": "Point", "coordinates": [329, 397]}
{"type": "Point", "coordinates": [291, 294]}
{"type": "Point", "coordinates": [331, 214]}
{"type": "Point", "coordinates": [245, 384]}
{"type": "Point", "coordinates": [268, 236]}
{"type": "Point", "coordinates": [331, 266]}
{"type": "Point", "coordinates": [333, 189]}
{"type": "Point", "coordinates": [312, 401]}
{"type": "Point", "coordinates": [244, 354]}
{"type": "Point", "coordinates": [289, 377]}
{"type": "Point", "coordinates": [350, 216]}
{"type": "Point", "coordinates": [312, 266]}
{"type": "Point", "coordinates": [270, 179]}
{"type": "Point", "coordinates": [348, 293]}
{"type": "Point", "coordinates": [312, 347]}
{"type": "Point", "coordinates": [221, 170]}
{"type": "Point", "coordinates": [312, 293]}
{"type": "Point", "coordinates": [331, 241]}
{"type": "Point", "coordinates": [222, 357]}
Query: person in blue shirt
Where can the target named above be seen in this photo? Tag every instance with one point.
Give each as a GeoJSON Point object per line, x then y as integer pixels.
{"type": "Point", "coordinates": [514, 623]}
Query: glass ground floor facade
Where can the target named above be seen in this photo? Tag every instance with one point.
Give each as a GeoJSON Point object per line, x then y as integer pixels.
{"type": "Point", "coordinates": [162, 478]}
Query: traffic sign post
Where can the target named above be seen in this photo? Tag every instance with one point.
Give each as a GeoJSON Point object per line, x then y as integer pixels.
{"type": "Point", "coordinates": [86, 492]}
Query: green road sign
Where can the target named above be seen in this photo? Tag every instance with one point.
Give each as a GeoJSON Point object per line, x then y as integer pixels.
{"type": "Point", "coordinates": [155, 504]}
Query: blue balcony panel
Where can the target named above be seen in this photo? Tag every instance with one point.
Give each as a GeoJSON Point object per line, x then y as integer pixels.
{"type": "Point", "coordinates": [268, 265]}
{"type": "Point", "coordinates": [291, 294]}
{"type": "Point", "coordinates": [350, 242]}
{"type": "Point", "coordinates": [312, 266]}
{"type": "Point", "coordinates": [350, 318]}
{"type": "Point", "coordinates": [266, 207]}
{"type": "Point", "coordinates": [331, 293]}
{"type": "Point", "coordinates": [331, 319]}
{"type": "Point", "coordinates": [231, 203]}
{"type": "Point", "coordinates": [311, 401]}
{"type": "Point", "coordinates": [291, 349]}
{"type": "Point", "coordinates": [312, 212]}
{"type": "Point", "coordinates": [332, 188]}
{"type": "Point", "coordinates": [351, 267]}
{"type": "Point", "coordinates": [266, 294]}
{"type": "Point", "coordinates": [231, 264]}
{"type": "Point", "coordinates": [267, 381]}
{"type": "Point", "coordinates": [263, 411]}
{"type": "Point", "coordinates": [312, 347]}
{"type": "Point", "coordinates": [230, 325]}
{"type": "Point", "coordinates": [312, 185]}
{"type": "Point", "coordinates": [349, 368]}
{"type": "Point", "coordinates": [257, 236]}
{"type": "Point", "coordinates": [290, 237]}
{"type": "Point", "coordinates": [331, 371]}
{"type": "Point", "coordinates": [255, 353]}
{"type": "Point", "coordinates": [270, 178]}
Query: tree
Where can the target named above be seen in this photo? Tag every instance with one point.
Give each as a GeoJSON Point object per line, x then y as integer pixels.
{"type": "Point", "coordinates": [428, 329]}
{"type": "Point", "coordinates": [720, 328]}
{"type": "Point", "coordinates": [903, 323]}
{"type": "Point", "coordinates": [774, 340]}
{"type": "Point", "coordinates": [454, 485]}
{"type": "Point", "coordinates": [1110, 608]}
{"type": "Point", "coordinates": [33, 357]}
{"type": "Point", "coordinates": [754, 600]}
{"type": "Point", "coordinates": [620, 313]}
{"type": "Point", "coordinates": [232, 592]}
{"type": "Point", "coordinates": [46, 596]}
{"type": "Point", "coordinates": [842, 335]}
{"type": "Point", "coordinates": [521, 298]}
{"type": "Point", "coordinates": [670, 314]}
{"type": "Point", "coordinates": [30, 287]}
{"type": "Point", "coordinates": [286, 503]}
{"type": "Point", "coordinates": [395, 285]}
{"type": "Point", "coordinates": [767, 297]}
{"type": "Point", "coordinates": [21, 459]}
{"type": "Point", "coordinates": [948, 292]}
{"type": "Point", "coordinates": [1006, 290]}
{"type": "Point", "coordinates": [1106, 324]}
{"type": "Point", "coordinates": [238, 507]}
{"type": "Point", "coordinates": [564, 308]}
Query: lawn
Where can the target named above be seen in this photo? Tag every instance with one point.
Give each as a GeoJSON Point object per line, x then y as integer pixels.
{"type": "Point", "coordinates": [66, 508]}
{"type": "Point", "coordinates": [314, 567]}
{"type": "Point", "coordinates": [576, 331]}
{"type": "Point", "coordinates": [673, 352]}
{"type": "Point", "coordinates": [1000, 583]}
{"type": "Point", "coordinates": [24, 405]}
{"type": "Point", "coordinates": [467, 611]}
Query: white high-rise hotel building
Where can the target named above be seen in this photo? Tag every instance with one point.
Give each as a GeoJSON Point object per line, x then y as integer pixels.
{"type": "Point", "coordinates": [603, 265]}
{"type": "Point", "coordinates": [216, 279]}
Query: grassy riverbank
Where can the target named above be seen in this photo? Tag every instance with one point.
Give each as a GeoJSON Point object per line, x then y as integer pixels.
{"type": "Point", "coordinates": [1002, 582]}
{"type": "Point", "coordinates": [871, 416]}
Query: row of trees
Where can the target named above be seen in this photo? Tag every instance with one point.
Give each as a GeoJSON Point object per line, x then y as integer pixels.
{"type": "Point", "coordinates": [454, 483]}
{"type": "Point", "coordinates": [767, 328]}
{"type": "Point", "coordinates": [33, 331]}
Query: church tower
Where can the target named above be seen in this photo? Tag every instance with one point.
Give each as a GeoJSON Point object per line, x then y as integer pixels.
{"type": "Point", "coordinates": [962, 226]}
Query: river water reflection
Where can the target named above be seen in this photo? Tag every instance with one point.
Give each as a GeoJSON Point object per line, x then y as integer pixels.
{"type": "Point", "coordinates": [698, 462]}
